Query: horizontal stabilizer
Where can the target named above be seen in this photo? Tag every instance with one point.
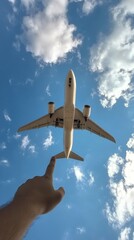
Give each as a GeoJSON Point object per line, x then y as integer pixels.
{"type": "Point", "coordinates": [75, 156]}
{"type": "Point", "coordinates": [60, 155]}
{"type": "Point", "coordinates": [71, 155]}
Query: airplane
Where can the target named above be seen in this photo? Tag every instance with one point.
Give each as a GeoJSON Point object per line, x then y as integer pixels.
{"type": "Point", "coordinates": [69, 118]}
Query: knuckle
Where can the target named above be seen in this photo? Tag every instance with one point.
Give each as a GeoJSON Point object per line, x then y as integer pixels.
{"type": "Point", "coordinates": [36, 178]}
{"type": "Point", "coordinates": [29, 180]}
{"type": "Point", "coordinates": [47, 176]}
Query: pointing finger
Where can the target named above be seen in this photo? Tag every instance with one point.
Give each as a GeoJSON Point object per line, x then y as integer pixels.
{"type": "Point", "coordinates": [50, 168]}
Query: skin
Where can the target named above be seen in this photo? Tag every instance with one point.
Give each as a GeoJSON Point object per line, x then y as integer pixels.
{"type": "Point", "coordinates": [36, 196]}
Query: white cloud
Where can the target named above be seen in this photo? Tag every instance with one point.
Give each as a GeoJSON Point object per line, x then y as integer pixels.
{"type": "Point", "coordinates": [124, 8]}
{"type": "Point", "coordinates": [128, 169]}
{"type": "Point", "coordinates": [124, 235]}
{"type": "Point", "coordinates": [91, 179]}
{"type": "Point", "coordinates": [78, 174]}
{"type": "Point", "coordinates": [84, 179]}
{"type": "Point", "coordinates": [57, 179]}
{"type": "Point", "coordinates": [93, 93]}
{"type": "Point", "coordinates": [4, 162]}
{"type": "Point", "coordinates": [17, 135]}
{"type": "Point", "coordinates": [7, 181]}
{"type": "Point", "coordinates": [114, 163]}
{"type": "Point", "coordinates": [47, 34]}
{"type": "Point", "coordinates": [79, 57]}
{"type": "Point", "coordinates": [130, 143]}
{"type": "Point", "coordinates": [32, 148]}
{"type": "Point", "coordinates": [76, 1]}
{"type": "Point", "coordinates": [81, 230]}
{"type": "Point", "coordinates": [36, 74]}
{"type": "Point", "coordinates": [25, 142]}
{"type": "Point", "coordinates": [66, 235]}
{"type": "Point", "coordinates": [7, 117]}
{"type": "Point", "coordinates": [89, 5]}
{"type": "Point", "coordinates": [48, 90]}
{"type": "Point", "coordinates": [48, 141]}
{"type": "Point", "coordinates": [16, 45]}
{"type": "Point", "coordinates": [113, 58]}
{"type": "Point", "coordinates": [29, 81]}
{"type": "Point", "coordinates": [10, 82]}
{"type": "Point", "coordinates": [3, 146]}
{"type": "Point", "coordinates": [121, 184]}
{"type": "Point", "coordinates": [11, 17]}
{"type": "Point", "coordinates": [119, 148]}
{"type": "Point", "coordinates": [69, 206]}
{"type": "Point", "coordinates": [122, 210]}
{"type": "Point", "coordinates": [28, 3]}
{"type": "Point", "coordinates": [12, 1]}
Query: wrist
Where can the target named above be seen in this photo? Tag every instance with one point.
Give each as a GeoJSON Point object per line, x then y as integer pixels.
{"type": "Point", "coordinates": [28, 206]}
{"type": "Point", "coordinates": [18, 217]}
{"type": "Point", "coordinates": [24, 208]}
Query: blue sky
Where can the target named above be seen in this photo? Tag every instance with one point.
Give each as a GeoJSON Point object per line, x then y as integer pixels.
{"type": "Point", "coordinates": [40, 41]}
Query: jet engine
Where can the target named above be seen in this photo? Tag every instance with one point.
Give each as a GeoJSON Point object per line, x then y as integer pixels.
{"type": "Point", "coordinates": [86, 111]}
{"type": "Point", "coordinates": [51, 108]}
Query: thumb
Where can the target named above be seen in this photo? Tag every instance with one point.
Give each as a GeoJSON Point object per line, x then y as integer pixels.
{"type": "Point", "coordinates": [59, 194]}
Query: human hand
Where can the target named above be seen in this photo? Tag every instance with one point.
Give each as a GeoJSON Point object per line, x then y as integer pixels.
{"type": "Point", "coordinates": [38, 193]}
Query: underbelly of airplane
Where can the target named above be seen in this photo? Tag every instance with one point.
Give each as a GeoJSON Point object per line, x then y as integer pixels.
{"type": "Point", "coordinates": [69, 112]}
{"type": "Point", "coordinates": [68, 141]}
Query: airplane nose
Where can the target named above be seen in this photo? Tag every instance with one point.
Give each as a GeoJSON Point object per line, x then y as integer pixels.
{"type": "Point", "coordinates": [71, 73]}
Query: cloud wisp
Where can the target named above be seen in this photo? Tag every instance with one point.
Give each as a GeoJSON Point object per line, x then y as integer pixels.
{"type": "Point", "coordinates": [78, 174]}
{"type": "Point", "coordinates": [25, 142]}
{"type": "Point", "coordinates": [11, 1]}
{"type": "Point", "coordinates": [7, 117]}
{"type": "Point", "coordinates": [81, 230]}
{"type": "Point", "coordinates": [3, 146]}
{"type": "Point", "coordinates": [17, 136]}
{"type": "Point", "coordinates": [130, 143]}
{"type": "Point", "coordinates": [7, 181]}
{"type": "Point", "coordinates": [32, 148]}
{"type": "Point", "coordinates": [48, 141]}
{"type": "Point", "coordinates": [89, 5]}
{"type": "Point", "coordinates": [113, 57]}
{"type": "Point", "coordinates": [28, 3]}
{"type": "Point", "coordinates": [48, 90]}
{"type": "Point", "coordinates": [82, 178]}
{"type": "Point", "coordinates": [4, 162]}
{"type": "Point", "coordinates": [124, 235]}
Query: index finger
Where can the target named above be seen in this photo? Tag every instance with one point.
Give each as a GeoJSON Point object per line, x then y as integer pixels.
{"type": "Point", "coordinates": [50, 168]}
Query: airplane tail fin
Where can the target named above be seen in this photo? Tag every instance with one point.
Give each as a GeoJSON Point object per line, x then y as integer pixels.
{"type": "Point", "coordinates": [71, 155]}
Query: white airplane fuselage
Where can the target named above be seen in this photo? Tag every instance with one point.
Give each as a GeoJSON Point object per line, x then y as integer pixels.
{"type": "Point", "coordinates": [69, 112]}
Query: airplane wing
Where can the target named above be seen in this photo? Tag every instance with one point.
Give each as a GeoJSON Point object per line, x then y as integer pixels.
{"type": "Point", "coordinates": [81, 123]}
{"type": "Point", "coordinates": [55, 120]}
